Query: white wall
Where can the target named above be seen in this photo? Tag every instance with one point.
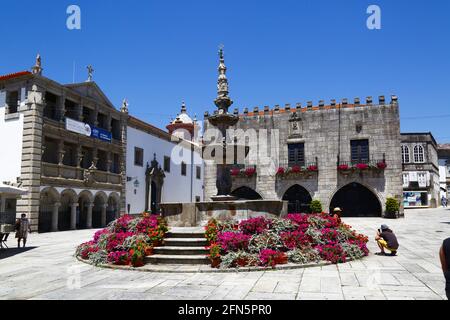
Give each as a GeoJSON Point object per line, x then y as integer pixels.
{"type": "Point", "coordinates": [177, 188]}
{"type": "Point", "coordinates": [11, 135]}
{"type": "Point", "coordinates": [443, 177]}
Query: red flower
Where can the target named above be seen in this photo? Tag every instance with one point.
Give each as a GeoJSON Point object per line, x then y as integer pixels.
{"type": "Point", "coordinates": [296, 169]}
{"type": "Point", "coordinates": [362, 166]}
{"type": "Point", "coordinates": [343, 167]}
{"type": "Point", "coordinates": [313, 168]}
{"type": "Point", "coordinates": [250, 172]}
{"type": "Point", "coordinates": [280, 171]}
{"type": "Point", "coordinates": [235, 172]}
{"type": "Point", "coordinates": [382, 165]}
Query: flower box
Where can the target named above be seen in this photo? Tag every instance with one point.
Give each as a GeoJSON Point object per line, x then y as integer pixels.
{"type": "Point", "coordinates": [381, 165]}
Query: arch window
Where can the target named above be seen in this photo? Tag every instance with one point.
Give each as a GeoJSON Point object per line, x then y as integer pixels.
{"type": "Point", "coordinates": [419, 156]}
{"type": "Point", "coordinates": [405, 154]}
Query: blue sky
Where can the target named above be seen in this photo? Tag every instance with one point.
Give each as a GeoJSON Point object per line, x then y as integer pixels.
{"type": "Point", "coordinates": [159, 53]}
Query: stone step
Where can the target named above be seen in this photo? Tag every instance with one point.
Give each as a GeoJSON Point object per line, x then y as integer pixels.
{"type": "Point", "coordinates": [185, 242]}
{"type": "Point", "coordinates": [178, 259]}
{"type": "Point", "coordinates": [175, 251]}
{"type": "Point", "coordinates": [185, 235]}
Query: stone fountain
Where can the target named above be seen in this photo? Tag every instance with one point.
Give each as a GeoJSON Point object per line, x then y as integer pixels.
{"type": "Point", "coordinates": [223, 206]}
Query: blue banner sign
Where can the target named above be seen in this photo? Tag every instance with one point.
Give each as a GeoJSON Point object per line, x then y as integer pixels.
{"type": "Point", "coordinates": [101, 134]}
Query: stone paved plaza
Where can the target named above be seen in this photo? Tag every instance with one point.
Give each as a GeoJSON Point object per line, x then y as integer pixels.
{"type": "Point", "coordinates": [49, 271]}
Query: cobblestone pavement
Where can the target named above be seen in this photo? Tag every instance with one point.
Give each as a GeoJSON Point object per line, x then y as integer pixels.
{"type": "Point", "coordinates": [49, 271]}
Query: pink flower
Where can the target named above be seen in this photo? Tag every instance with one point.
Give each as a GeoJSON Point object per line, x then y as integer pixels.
{"type": "Point", "coordinates": [343, 167]}
{"type": "Point", "coordinates": [362, 166]}
{"type": "Point", "coordinates": [313, 168]}
{"type": "Point", "coordinates": [235, 172]}
{"type": "Point", "coordinates": [296, 169]}
{"type": "Point", "coordinates": [233, 241]}
{"type": "Point", "coordinates": [382, 165]}
{"type": "Point", "coordinates": [271, 258]}
{"type": "Point", "coordinates": [250, 172]}
{"type": "Point", "coordinates": [281, 171]}
{"type": "Point", "coordinates": [255, 225]}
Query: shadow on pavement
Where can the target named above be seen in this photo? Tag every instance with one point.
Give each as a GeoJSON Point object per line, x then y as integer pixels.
{"type": "Point", "coordinates": [7, 253]}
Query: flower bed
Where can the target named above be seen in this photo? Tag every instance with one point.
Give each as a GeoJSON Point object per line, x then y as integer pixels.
{"type": "Point", "coordinates": [249, 172]}
{"type": "Point", "coordinates": [126, 241]}
{"type": "Point", "coordinates": [298, 238]}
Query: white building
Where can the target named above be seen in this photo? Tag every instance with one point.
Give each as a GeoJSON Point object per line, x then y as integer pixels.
{"type": "Point", "coordinates": [161, 167]}
{"type": "Point", "coordinates": [444, 170]}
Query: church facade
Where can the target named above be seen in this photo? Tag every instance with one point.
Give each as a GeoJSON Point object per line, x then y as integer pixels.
{"type": "Point", "coordinates": [344, 154]}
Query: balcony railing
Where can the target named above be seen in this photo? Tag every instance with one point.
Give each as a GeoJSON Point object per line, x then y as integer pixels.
{"type": "Point", "coordinates": [50, 170]}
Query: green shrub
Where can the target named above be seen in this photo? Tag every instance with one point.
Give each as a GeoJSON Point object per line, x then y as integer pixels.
{"type": "Point", "coordinates": [392, 206]}
{"type": "Point", "coordinates": [316, 206]}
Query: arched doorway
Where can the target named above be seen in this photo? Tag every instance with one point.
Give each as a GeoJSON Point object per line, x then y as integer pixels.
{"type": "Point", "coordinates": [355, 200]}
{"type": "Point", "coordinates": [48, 210]}
{"type": "Point", "coordinates": [99, 211]}
{"type": "Point", "coordinates": [68, 200]}
{"type": "Point", "coordinates": [154, 181]}
{"type": "Point", "coordinates": [112, 211]}
{"type": "Point", "coordinates": [299, 199]}
{"type": "Point", "coordinates": [246, 193]}
{"type": "Point", "coordinates": [85, 203]}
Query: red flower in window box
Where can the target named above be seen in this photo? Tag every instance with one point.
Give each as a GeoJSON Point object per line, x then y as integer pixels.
{"type": "Point", "coordinates": [381, 165]}
{"type": "Point", "coordinates": [250, 172]}
{"type": "Point", "coordinates": [235, 172]}
{"type": "Point", "coordinates": [296, 169]}
{"type": "Point", "coordinates": [362, 166]}
{"type": "Point", "coordinates": [343, 167]}
{"type": "Point", "coordinates": [280, 171]}
{"type": "Point", "coordinates": [313, 168]}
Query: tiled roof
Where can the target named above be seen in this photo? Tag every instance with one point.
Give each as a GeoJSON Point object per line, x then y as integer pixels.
{"type": "Point", "coordinates": [14, 75]}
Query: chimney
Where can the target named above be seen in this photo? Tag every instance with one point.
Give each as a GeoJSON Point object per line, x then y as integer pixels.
{"type": "Point", "coordinates": [266, 109]}
{"type": "Point", "coordinates": [369, 101]}
{"type": "Point", "coordinates": [344, 101]}
{"type": "Point", "coordinates": [333, 102]}
{"type": "Point", "coordinates": [298, 106]}
{"type": "Point", "coordinates": [236, 111]}
{"type": "Point", "coordinates": [321, 103]}
{"type": "Point", "coordinates": [382, 100]}
{"type": "Point", "coordinates": [357, 102]}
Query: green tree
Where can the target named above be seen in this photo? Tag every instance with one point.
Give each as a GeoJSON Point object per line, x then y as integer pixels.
{"type": "Point", "coordinates": [316, 206]}
{"type": "Point", "coordinates": [392, 206]}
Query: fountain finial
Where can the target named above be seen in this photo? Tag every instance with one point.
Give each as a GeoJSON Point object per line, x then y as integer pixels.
{"type": "Point", "coordinates": [223, 101]}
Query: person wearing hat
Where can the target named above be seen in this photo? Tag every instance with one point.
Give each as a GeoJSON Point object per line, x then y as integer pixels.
{"type": "Point", "coordinates": [337, 213]}
{"type": "Point", "coordinates": [386, 239]}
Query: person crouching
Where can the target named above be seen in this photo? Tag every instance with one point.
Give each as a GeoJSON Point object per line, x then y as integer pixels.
{"type": "Point", "coordinates": [386, 239]}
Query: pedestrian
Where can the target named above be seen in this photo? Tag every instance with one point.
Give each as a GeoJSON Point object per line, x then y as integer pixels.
{"type": "Point", "coordinates": [22, 229]}
{"type": "Point", "coordinates": [386, 239]}
{"type": "Point", "coordinates": [444, 201]}
{"type": "Point", "coordinates": [444, 254]}
{"type": "Point", "coordinates": [337, 213]}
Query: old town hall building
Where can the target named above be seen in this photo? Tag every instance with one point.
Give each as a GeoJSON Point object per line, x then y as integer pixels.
{"type": "Point", "coordinates": [345, 154]}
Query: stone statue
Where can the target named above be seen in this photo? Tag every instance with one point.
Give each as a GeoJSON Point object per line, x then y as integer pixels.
{"type": "Point", "coordinates": [90, 73]}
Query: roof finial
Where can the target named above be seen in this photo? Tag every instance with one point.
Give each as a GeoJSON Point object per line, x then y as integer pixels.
{"type": "Point", "coordinates": [183, 107]}
{"type": "Point", "coordinates": [124, 107]}
{"type": "Point", "coordinates": [90, 73]}
{"type": "Point", "coordinates": [37, 68]}
{"type": "Point", "coordinates": [223, 102]}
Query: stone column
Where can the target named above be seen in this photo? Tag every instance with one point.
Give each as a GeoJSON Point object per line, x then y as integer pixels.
{"type": "Point", "coordinates": [89, 216]}
{"type": "Point", "coordinates": [32, 156]}
{"type": "Point", "coordinates": [62, 107]}
{"type": "Point", "coordinates": [104, 215]}
{"type": "Point", "coordinates": [2, 203]}
{"type": "Point", "coordinates": [73, 216]}
{"type": "Point", "coordinates": [55, 213]}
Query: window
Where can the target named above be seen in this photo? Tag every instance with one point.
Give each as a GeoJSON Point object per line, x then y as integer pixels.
{"type": "Point", "coordinates": [199, 172]}
{"type": "Point", "coordinates": [12, 100]}
{"type": "Point", "coordinates": [405, 154]}
{"type": "Point", "coordinates": [360, 151]}
{"type": "Point", "coordinates": [197, 199]}
{"type": "Point", "coordinates": [183, 168]}
{"type": "Point", "coordinates": [419, 154]}
{"type": "Point", "coordinates": [296, 154]}
{"type": "Point", "coordinates": [167, 164]}
{"type": "Point", "coordinates": [422, 179]}
{"type": "Point", "coordinates": [405, 180]}
{"type": "Point", "coordinates": [138, 157]}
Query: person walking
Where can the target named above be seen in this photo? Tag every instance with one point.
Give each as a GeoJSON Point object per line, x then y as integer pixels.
{"type": "Point", "coordinates": [22, 229]}
{"type": "Point", "coordinates": [386, 239]}
{"type": "Point", "coordinates": [444, 202]}
{"type": "Point", "coordinates": [444, 255]}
